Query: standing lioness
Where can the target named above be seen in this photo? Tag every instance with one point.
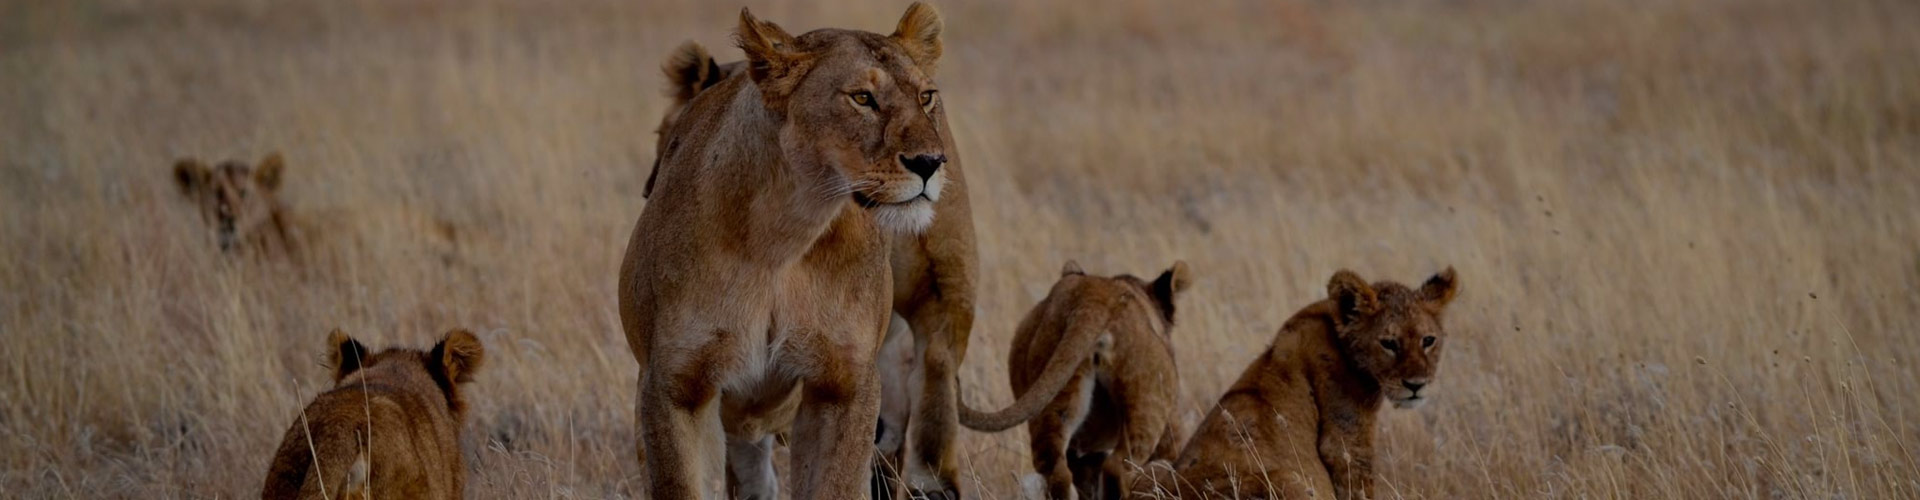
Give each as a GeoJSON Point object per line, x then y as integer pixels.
{"type": "Point", "coordinates": [756, 286]}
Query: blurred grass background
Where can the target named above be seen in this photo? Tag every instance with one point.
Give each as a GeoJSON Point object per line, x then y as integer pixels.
{"type": "Point", "coordinates": [1687, 230]}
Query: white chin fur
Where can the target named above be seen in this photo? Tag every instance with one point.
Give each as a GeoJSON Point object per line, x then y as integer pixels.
{"type": "Point", "coordinates": [933, 185]}
{"type": "Point", "coordinates": [912, 217]}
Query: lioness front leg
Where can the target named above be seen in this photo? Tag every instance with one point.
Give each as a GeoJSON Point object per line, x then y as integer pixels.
{"type": "Point", "coordinates": [833, 434]}
{"type": "Point", "coordinates": [675, 397]}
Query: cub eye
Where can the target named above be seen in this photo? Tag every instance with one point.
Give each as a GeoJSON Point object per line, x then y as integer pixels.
{"type": "Point", "coordinates": [1426, 342]}
{"type": "Point", "coordinates": [1390, 344]}
{"type": "Point", "coordinates": [863, 98]}
{"type": "Point", "coordinates": [926, 98]}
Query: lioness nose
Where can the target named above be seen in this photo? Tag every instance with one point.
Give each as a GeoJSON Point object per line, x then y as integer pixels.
{"type": "Point", "coordinates": [923, 165]}
{"type": "Point", "coordinates": [1414, 385]}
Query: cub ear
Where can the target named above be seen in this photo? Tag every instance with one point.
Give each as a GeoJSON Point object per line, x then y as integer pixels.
{"type": "Point", "coordinates": [1176, 279]}
{"type": "Point", "coordinates": [919, 33]}
{"type": "Point", "coordinates": [1440, 289]}
{"type": "Point", "coordinates": [690, 69]}
{"type": "Point", "coordinates": [1072, 268]}
{"type": "Point", "coordinates": [189, 174]}
{"type": "Point", "coordinates": [1170, 283]}
{"type": "Point", "coordinates": [773, 58]}
{"type": "Point", "coordinates": [1353, 298]}
{"type": "Point", "coordinates": [345, 354]}
{"type": "Point", "coordinates": [458, 355]}
{"type": "Point", "coordinates": [267, 174]}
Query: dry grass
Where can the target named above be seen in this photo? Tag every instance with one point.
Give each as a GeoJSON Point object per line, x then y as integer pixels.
{"type": "Point", "coordinates": [1687, 233]}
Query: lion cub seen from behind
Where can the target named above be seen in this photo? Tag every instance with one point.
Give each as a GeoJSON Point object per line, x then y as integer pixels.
{"type": "Point", "coordinates": [389, 428]}
{"type": "Point", "coordinates": [1097, 353]}
{"type": "Point", "coordinates": [1299, 422]}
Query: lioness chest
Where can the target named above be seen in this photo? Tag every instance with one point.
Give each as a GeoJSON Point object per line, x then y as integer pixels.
{"type": "Point", "coordinates": [822, 316]}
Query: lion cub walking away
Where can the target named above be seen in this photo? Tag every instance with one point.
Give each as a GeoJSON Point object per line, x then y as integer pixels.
{"type": "Point", "coordinates": [238, 201]}
{"type": "Point", "coordinates": [1299, 422]}
{"type": "Point", "coordinates": [1097, 354]}
{"type": "Point", "coordinates": [389, 428]}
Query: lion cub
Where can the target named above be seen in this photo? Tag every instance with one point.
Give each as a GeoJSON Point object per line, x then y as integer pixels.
{"type": "Point", "coordinates": [238, 202]}
{"type": "Point", "coordinates": [1097, 354]}
{"type": "Point", "coordinates": [389, 428]}
{"type": "Point", "coordinates": [1299, 422]}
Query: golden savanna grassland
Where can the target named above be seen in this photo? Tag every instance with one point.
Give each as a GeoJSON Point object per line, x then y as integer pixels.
{"type": "Point", "coordinates": [1688, 232]}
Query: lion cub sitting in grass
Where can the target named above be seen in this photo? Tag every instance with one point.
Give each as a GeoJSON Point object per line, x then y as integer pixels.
{"type": "Point", "coordinates": [1093, 367]}
{"type": "Point", "coordinates": [389, 428]}
{"type": "Point", "coordinates": [1299, 423]}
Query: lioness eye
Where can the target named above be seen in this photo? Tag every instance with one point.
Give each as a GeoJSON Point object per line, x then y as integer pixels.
{"type": "Point", "coordinates": [1426, 342]}
{"type": "Point", "coordinates": [926, 98]}
{"type": "Point", "coordinates": [863, 98]}
{"type": "Point", "coordinates": [1390, 344]}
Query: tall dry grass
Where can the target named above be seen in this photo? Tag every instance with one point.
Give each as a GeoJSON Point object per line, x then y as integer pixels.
{"type": "Point", "coordinates": [1687, 230]}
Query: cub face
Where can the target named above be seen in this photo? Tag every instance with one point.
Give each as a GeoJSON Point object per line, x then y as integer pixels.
{"type": "Point", "coordinates": [1392, 332]}
{"type": "Point", "coordinates": [236, 200]}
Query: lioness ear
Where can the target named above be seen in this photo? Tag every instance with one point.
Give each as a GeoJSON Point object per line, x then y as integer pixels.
{"type": "Point", "coordinates": [1440, 289]}
{"type": "Point", "coordinates": [1071, 269]}
{"type": "Point", "coordinates": [189, 174]}
{"type": "Point", "coordinates": [458, 355]}
{"type": "Point", "coordinates": [267, 174]}
{"type": "Point", "coordinates": [772, 57]}
{"type": "Point", "coordinates": [690, 69]}
{"type": "Point", "coordinates": [1353, 298]}
{"type": "Point", "coordinates": [345, 354]}
{"type": "Point", "coordinates": [919, 33]}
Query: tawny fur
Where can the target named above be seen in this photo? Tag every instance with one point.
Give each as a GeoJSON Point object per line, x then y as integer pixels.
{"type": "Point", "coordinates": [757, 277]}
{"type": "Point", "coordinates": [933, 275]}
{"type": "Point", "coordinates": [1299, 423]}
{"type": "Point", "coordinates": [244, 214]}
{"type": "Point", "coordinates": [239, 203]}
{"type": "Point", "coordinates": [389, 428]}
{"type": "Point", "coordinates": [1092, 365]}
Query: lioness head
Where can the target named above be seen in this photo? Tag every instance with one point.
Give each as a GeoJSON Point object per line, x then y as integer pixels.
{"type": "Point", "coordinates": [858, 109]}
{"type": "Point", "coordinates": [1392, 332]}
{"type": "Point", "coordinates": [449, 364]}
{"type": "Point", "coordinates": [235, 199]}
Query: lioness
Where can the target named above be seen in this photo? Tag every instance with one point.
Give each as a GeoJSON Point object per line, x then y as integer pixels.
{"type": "Point", "coordinates": [1097, 353]}
{"type": "Point", "coordinates": [1299, 422]}
{"type": "Point", "coordinates": [238, 201]}
{"type": "Point", "coordinates": [754, 288]}
{"type": "Point", "coordinates": [389, 428]}
{"type": "Point", "coordinates": [933, 276]}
